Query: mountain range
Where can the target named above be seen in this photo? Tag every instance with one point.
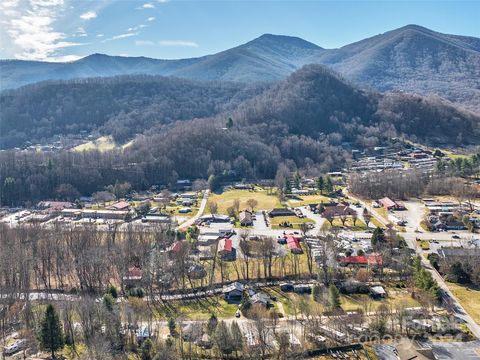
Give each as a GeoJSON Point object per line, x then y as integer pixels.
{"type": "Point", "coordinates": [411, 59]}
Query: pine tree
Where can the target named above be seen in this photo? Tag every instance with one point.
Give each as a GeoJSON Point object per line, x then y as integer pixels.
{"type": "Point", "coordinates": [334, 297]}
{"type": "Point", "coordinates": [329, 185]}
{"type": "Point", "coordinates": [287, 188]}
{"type": "Point", "coordinates": [378, 237]}
{"type": "Point", "coordinates": [320, 184]}
{"type": "Point", "coordinates": [229, 123]}
{"type": "Point", "coordinates": [51, 332]}
{"type": "Point", "coordinates": [223, 338]}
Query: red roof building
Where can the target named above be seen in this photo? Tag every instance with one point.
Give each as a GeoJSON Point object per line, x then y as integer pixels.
{"type": "Point", "coordinates": [367, 260]}
{"type": "Point", "coordinates": [121, 205]}
{"type": "Point", "coordinates": [225, 245]}
{"type": "Point", "coordinates": [387, 203]}
{"type": "Point", "coordinates": [133, 275]}
{"type": "Point", "coordinates": [294, 245]}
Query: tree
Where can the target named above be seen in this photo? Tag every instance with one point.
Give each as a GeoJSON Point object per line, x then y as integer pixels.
{"type": "Point", "coordinates": [144, 208]}
{"type": "Point", "coordinates": [334, 300]}
{"type": "Point", "coordinates": [223, 338]}
{"type": "Point", "coordinates": [229, 123]}
{"type": "Point", "coordinates": [212, 182]}
{"type": "Point", "coordinates": [320, 184]}
{"type": "Point", "coordinates": [252, 203]}
{"type": "Point", "coordinates": [213, 207]}
{"type": "Point", "coordinates": [297, 179]}
{"type": "Point", "coordinates": [146, 350]}
{"type": "Point", "coordinates": [67, 192]}
{"type": "Point", "coordinates": [172, 326]}
{"type": "Point", "coordinates": [51, 333]}
{"type": "Point", "coordinates": [367, 217]}
{"type": "Point", "coordinates": [287, 187]}
{"type": "Point", "coordinates": [237, 337]}
{"type": "Point", "coordinates": [378, 237]}
{"type": "Point", "coordinates": [212, 324]}
{"type": "Point", "coordinates": [329, 185]}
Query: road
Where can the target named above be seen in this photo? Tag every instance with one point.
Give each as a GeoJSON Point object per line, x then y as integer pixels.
{"type": "Point", "coordinates": [411, 235]}
{"type": "Point", "coordinates": [199, 213]}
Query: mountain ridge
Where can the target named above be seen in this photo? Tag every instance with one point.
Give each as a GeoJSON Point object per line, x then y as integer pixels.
{"type": "Point", "coordinates": [411, 58]}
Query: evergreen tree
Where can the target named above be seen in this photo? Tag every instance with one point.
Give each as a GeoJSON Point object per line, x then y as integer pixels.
{"type": "Point", "coordinates": [378, 237]}
{"type": "Point", "coordinates": [172, 326]}
{"type": "Point", "coordinates": [334, 297]}
{"type": "Point", "coordinates": [329, 185]}
{"type": "Point", "coordinates": [287, 187]}
{"type": "Point", "coordinates": [229, 123]}
{"type": "Point", "coordinates": [51, 332]}
{"type": "Point", "coordinates": [320, 184]}
{"type": "Point", "coordinates": [297, 179]}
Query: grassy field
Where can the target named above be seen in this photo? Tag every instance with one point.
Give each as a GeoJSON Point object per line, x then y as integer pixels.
{"type": "Point", "coordinates": [226, 200]}
{"type": "Point", "coordinates": [294, 220]}
{"type": "Point", "coordinates": [103, 143]}
{"type": "Point", "coordinates": [359, 225]}
{"type": "Point", "coordinates": [469, 298]}
{"type": "Point", "coordinates": [308, 199]}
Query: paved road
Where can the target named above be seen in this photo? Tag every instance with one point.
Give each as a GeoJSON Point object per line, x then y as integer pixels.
{"type": "Point", "coordinates": [199, 213]}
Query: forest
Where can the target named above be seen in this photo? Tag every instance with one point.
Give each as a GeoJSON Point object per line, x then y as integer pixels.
{"type": "Point", "coordinates": [309, 122]}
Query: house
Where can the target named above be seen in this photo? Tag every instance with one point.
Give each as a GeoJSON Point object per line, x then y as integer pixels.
{"type": "Point", "coordinates": [226, 249]}
{"type": "Point", "coordinates": [364, 260]}
{"type": "Point", "coordinates": [338, 210]}
{"type": "Point", "coordinates": [389, 204]}
{"type": "Point", "coordinates": [121, 205]}
{"type": "Point", "coordinates": [286, 287]}
{"type": "Point", "coordinates": [261, 299]}
{"type": "Point", "coordinates": [95, 214]}
{"type": "Point", "coordinates": [246, 218]}
{"type": "Point", "coordinates": [133, 276]}
{"type": "Point", "coordinates": [377, 292]}
{"type": "Point", "coordinates": [233, 292]}
{"type": "Point", "coordinates": [54, 208]}
{"type": "Point", "coordinates": [183, 184]}
{"type": "Point", "coordinates": [281, 212]}
{"type": "Point", "coordinates": [205, 341]}
{"type": "Point", "coordinates": [302, 288]}
{"type": "Point", "coordinates": [215, 218]}
{"type": "Point", "coordinates": [294, 245]}
{"type": "Point", "coordinates": [240, 186]}
{"type": "Point", "coordinates": [184, 210]}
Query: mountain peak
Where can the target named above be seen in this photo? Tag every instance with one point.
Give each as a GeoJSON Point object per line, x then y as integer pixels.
{"type": "Point", "coordinates": [283, 40]}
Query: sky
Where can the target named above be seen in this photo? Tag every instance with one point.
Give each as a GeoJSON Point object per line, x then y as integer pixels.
{"type": "Point", "coordinates": [66, 30]}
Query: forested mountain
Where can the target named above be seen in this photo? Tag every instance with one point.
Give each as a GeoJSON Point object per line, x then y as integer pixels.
{"type": "Point", "coordinates": [119, 106]}
{"type": "Point", "coordinates": [411, 58]}
{"type": "Point", "coordinates": [269, 57]}
{"type": "Point", "coordinates": [302, 122]}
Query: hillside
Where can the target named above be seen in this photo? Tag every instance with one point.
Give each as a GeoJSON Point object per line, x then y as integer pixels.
{"type": "Point", "coordinates": [411, 59]}
{"type": "Point", "coordinates": [312, 101]}
{"type": "Point", "coordinates": [118, 106]}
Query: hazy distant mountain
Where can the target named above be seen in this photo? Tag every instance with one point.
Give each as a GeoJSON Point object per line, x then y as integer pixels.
{"type": "Point", "coordinates": [269, 57]}
{"type": "Point", "coordinates": [412, 58]}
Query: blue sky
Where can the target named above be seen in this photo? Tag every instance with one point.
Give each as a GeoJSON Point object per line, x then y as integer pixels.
{"type": "Point", "coordinates": [59, 30]}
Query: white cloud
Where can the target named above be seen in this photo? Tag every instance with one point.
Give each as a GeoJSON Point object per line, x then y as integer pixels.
{"type": "Point", "coordinates": [29, 26]}
{"type": "Point", "coordinates": [146, 6]}
{"type": "Point", "coordinates": [81, 32]}
{"type": "Point", "coordinates": [121, 36]}
{"type": "Point", "coordinates": [144, 43]}
{"type": "Point", "coordinates": [178, 43]}
{"type": "Point", "coordinates": [65, 58]}
{"type": "Point", "coordinates": [151, 18]}
{"type": "Point", "coordinates": [141, 26]}
{"type": "Point", "coordinates": [100, 35]}
{"type": "Point", "coordinates": [162, 1]}
{"type": "Point", "coordinates": [89, 15]}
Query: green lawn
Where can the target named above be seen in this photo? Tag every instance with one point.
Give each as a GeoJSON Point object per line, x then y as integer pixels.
{"type": "Point", "coordinates": [200, 309]}
{"type": "Point", "coordinates": [226, 200]}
